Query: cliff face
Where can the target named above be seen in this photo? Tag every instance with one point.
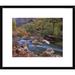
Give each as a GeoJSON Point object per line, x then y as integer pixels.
{"type": "Point", "coordinates": [21, 21]}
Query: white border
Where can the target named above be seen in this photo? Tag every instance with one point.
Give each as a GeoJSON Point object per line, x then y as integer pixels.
{"type": "Point", "coordinates": [37, 2]}
{"type": "Point", "coordinates": [37, 72]}
{"type": "Point", "coordinates": [65, 13]}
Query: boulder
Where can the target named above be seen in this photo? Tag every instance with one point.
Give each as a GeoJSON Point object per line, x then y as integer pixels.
{"type": "Point", "coordinates": [48, 52]}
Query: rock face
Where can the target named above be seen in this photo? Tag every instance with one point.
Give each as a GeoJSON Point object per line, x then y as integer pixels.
{"type": "Point", "coordinates": [20, 21]}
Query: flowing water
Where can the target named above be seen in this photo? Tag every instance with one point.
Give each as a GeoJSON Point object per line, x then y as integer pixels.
{"type": "Point", "coordinates": [39, 47]}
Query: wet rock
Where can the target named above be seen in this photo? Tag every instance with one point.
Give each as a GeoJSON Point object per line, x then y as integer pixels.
{"type": "Point", "coordinates": [48, 52]}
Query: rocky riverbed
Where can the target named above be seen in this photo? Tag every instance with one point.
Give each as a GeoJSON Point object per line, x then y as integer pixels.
{"type": "Point", "coordinates": [21, 52]}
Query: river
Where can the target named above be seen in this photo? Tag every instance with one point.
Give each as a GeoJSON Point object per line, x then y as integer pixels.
{"type": "Point", "coordinates": [39, 47]}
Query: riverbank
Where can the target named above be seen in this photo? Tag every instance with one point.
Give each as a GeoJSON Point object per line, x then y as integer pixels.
{"type": "Point", "coordinates": [21, 52]}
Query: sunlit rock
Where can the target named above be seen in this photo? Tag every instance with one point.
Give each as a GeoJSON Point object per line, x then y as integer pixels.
{"type": "Point", "coordinates": [46, 41]}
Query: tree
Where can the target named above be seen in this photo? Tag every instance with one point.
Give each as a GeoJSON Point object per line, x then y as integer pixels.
{"type": "Point", "coordinates": [13, 24]}
{"type": "Point", "coordinates": [44, 26]}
